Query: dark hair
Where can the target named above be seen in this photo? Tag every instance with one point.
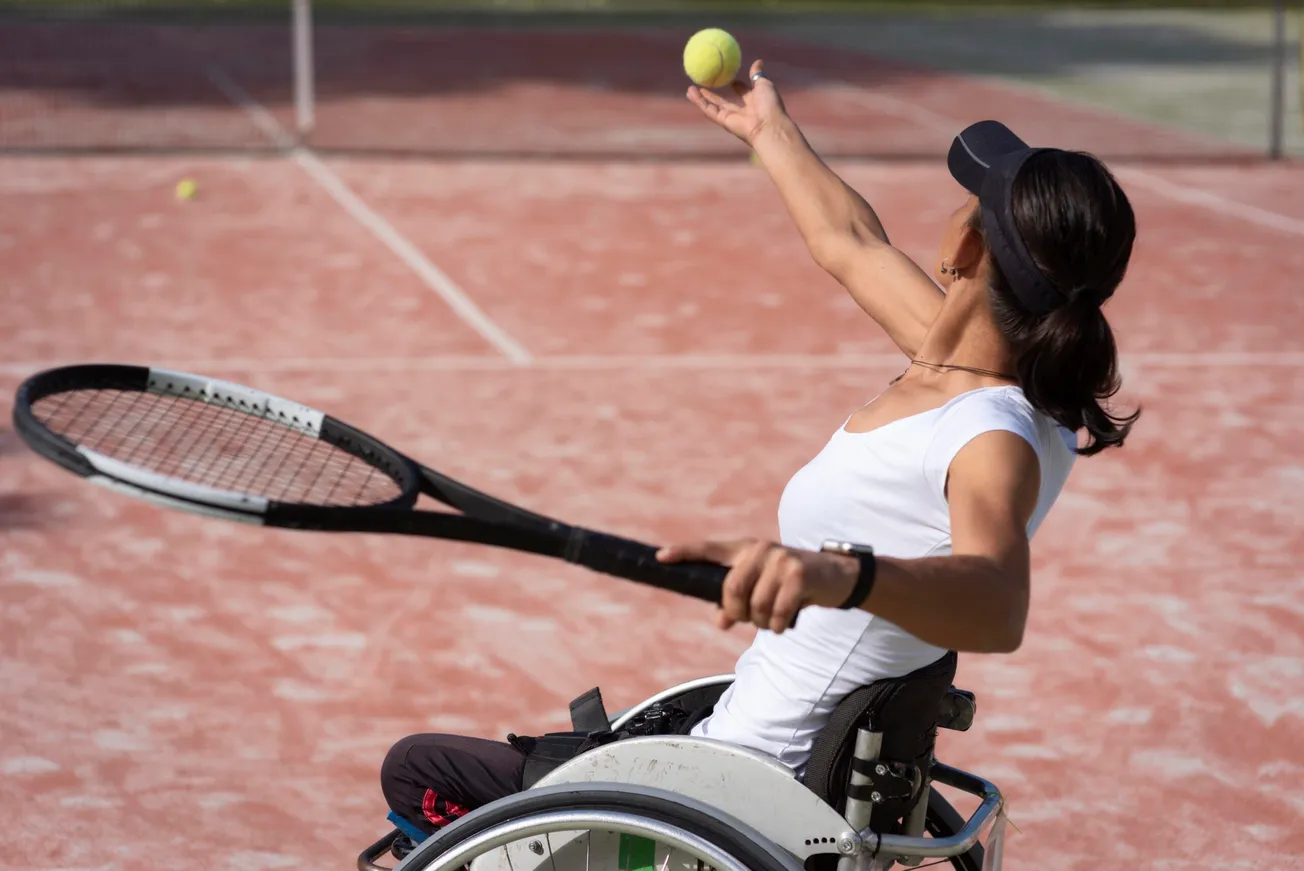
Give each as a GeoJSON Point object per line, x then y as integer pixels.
{"type": "Point", "coordinates": [1079, 228]}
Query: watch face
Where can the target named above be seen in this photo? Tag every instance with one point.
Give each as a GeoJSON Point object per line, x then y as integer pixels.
{"type": "Point", "coordinates": [846, 547]}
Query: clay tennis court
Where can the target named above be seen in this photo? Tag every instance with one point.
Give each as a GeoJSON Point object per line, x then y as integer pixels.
{"type": "Point", "coordinates": [644, 347]}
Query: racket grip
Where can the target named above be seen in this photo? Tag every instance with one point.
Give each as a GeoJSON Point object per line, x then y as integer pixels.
{"type": "Point", "coordinates": [635, 561]}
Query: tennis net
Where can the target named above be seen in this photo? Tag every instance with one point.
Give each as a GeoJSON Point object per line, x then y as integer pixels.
{"type": "Point", "coordinates": [421, 78]}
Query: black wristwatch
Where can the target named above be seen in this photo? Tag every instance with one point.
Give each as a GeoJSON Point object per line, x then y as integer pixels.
{"type": "Point", "coordinates": [868, 569]}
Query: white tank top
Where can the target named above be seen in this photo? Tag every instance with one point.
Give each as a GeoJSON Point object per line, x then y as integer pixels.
{"type": "Point", "coordinates": [884, 488]}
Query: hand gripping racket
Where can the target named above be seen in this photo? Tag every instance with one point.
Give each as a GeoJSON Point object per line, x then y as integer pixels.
{"type": "Point", "coordinates": [222, 450]}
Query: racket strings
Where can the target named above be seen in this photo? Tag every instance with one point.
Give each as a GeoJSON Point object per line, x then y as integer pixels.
{"type": "Point", "coordinates": [214, 446]}
{"type": "Point", "coordinates": [132, 421]}
{"type": "Point", "coordinates": [364, 484]}
{"type": "Point", "coordinates": [269, 452]}
{"type": "Point", "coordinates": [250, 432]}
{"type": "Point", "coordinates": [304, 458]}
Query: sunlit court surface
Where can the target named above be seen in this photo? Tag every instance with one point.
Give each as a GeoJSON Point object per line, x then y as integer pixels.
{"type": "Point", "coordinates": [506, 244]}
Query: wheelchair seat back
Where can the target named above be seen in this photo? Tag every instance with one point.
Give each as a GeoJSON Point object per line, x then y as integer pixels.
{"type": "Point", "coordinates": [906, 711]}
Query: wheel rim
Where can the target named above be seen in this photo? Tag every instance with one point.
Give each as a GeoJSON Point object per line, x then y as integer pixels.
{"type": "Point", "coordinates": [600, 820]}
{"type": "Point", "coordinates": [567, 821]}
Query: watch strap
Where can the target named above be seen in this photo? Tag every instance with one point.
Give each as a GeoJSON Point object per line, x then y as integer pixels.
{"type": "Point", "coordinates": [864, 580]}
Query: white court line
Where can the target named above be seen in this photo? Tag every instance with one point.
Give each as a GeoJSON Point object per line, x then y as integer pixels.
{"type": "Point", "coordinates": [937, 122]}
{"type": "Point", "coordinates": [430, 275]}
{"type": "Point", "coordinates": [1197, 196]}
{"type": "Point", "coordinates": [643, 362]}
{"type": "Point", "coordinates": [886, 103]}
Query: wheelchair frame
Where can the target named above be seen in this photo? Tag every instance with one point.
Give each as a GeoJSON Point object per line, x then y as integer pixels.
{"type": "Point", "coordinates": [650, 787]}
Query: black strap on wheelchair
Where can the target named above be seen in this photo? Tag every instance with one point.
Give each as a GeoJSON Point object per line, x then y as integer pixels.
{"type": "Point", "coordinates": [592, 728]}
{"type": "Point", "coordinates": [546, 752]}
{"type": "Point", "coordinates": [904, 710]}
{"type": "Point", "coordinates": [588, 714]}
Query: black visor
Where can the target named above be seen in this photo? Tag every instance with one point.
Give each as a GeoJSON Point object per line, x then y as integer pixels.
{"type": "Point", "coordinates": [985, 158]}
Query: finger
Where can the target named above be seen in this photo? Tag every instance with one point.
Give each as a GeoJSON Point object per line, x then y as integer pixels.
{"type": "Point", "coordinates": [722, 552]}
{"type": "Point", "coordinates": [788, 602]}
{"type": "Point", "coordinates": [754, 83]}
{"type": "Point", "coordinates": [718, 100]}
{"type": "Point", "coordinates": [714, 110]}
{"type": "Point", "coordinates": [723, 620]}
{"type": "Point", "coordinates": [735, 598]}
{"type": "Point", "coordinates": [767, 586]}
{"type": "Point", "coordinates": [741, 88]}
{"type": "Point", "coordinates": [697, 98]}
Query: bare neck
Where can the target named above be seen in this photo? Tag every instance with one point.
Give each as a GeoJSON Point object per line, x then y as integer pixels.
{"type": "Point", "coordinates": [964, 334]}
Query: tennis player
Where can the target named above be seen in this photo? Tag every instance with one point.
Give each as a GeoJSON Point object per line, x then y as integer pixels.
{"type": "Point", "coordinates": [909, 531]}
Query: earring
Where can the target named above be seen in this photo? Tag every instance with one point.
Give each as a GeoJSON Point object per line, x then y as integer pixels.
{"type": "Point", "coordinates": [948, 269]}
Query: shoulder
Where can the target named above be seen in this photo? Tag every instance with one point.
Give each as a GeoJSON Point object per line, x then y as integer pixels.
{"type": "Point", "coordinates": [991, 408]}
{"type": "Point", "coordinates": [998, 409]}
{"type": "Point", "coordinates": [1008, 409]}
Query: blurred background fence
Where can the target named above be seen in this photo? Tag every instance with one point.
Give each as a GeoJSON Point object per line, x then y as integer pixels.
{"type": "Point", "coordinates": [1129, 80]}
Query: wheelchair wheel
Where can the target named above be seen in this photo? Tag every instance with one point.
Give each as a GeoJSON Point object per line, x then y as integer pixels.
{"type": "Point", "coordinates": [942, 821]}
{"type": "Point", "coordinates": [572, 828]}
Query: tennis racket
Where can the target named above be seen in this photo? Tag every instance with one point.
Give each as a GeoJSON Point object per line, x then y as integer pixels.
{"type": "Point", "coordinates": [224, 450]}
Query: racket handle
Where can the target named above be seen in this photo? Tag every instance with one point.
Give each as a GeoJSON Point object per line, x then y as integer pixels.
{"type": "Point", "coordinates": [635, 561]}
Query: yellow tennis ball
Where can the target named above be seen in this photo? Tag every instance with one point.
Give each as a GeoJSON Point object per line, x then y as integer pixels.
{"type": "Point", "coordinates": [712, 58]}
{"type": "Point", "coordinates": [186, 189]}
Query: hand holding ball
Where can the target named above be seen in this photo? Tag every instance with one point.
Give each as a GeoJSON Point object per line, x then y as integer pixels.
{"type": "Point", "coordinates": [752, 107]}
{"type": "Point", "coordinates": [712, 58]}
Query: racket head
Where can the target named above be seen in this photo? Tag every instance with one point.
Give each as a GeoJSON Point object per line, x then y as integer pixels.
{"type": "Point", "coordinates": [207, 446]}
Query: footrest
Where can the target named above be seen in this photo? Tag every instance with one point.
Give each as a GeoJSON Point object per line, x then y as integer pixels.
{"type": "Point", "coordinates": [407, 828]}
{"type": "Point", "coordinates": [367, 858]}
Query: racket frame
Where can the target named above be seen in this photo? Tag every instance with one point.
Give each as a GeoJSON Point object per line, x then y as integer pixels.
{"type": "Point", "coordinates": [172, 492]}
{"type": "Point", "coordinates": [484, 519]}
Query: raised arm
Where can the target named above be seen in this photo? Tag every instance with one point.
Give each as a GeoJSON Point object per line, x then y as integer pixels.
{"type": "Point", "coordinates": [842, 232]}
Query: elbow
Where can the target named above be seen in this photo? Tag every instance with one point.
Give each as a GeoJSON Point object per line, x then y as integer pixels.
{"type": "Point", "coordinates": [1008, 639]}
{"type": "Point", "coordinates": [1009, 627]}
{"type": "Point", "coordinates": [835, 249]}
{"type": "Point", "coordinates": [1001, 632]}
{"type": "Point", "coordinates": [828, 249]}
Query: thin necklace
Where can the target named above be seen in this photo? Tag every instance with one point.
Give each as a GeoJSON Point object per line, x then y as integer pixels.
{"type": "Point", "coordinates": [942, 367]}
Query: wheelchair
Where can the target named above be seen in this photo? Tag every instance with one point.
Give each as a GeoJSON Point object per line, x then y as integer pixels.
{"type": "Point", "coordinates": [865, 802]}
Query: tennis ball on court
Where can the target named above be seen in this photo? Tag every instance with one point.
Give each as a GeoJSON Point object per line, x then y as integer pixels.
{"type": "Point", "coordinates": [712, 58]}
{"type": "Point", "coordinates": [186, 189]}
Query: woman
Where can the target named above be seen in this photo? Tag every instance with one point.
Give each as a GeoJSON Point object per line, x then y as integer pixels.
{"type": "Point", "coordinates": [946, 474]}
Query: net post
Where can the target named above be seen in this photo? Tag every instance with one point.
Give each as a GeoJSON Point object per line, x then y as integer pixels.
{"type": "Point", "coordinates": [1277, 111]}
{"type": "Point", "coordinates": [301, 37]}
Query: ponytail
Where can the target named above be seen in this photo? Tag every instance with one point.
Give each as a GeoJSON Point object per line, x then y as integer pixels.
{"type": "Point", "coordinates": [1079, 228]}
{"type": "Point", "coordinates": [1067, 363]}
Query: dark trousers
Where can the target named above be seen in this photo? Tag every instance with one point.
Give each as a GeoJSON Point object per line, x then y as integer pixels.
{"type": "Point", "coordinates": [431, 780]}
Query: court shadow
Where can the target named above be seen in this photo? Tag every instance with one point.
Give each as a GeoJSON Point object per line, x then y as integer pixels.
{"type": "Point", "coordinates": [28, 511]}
